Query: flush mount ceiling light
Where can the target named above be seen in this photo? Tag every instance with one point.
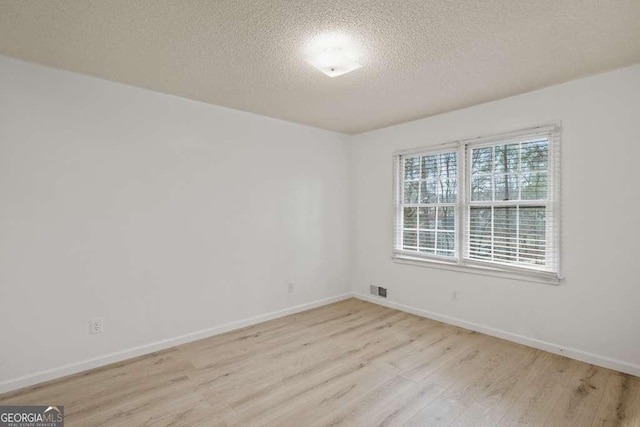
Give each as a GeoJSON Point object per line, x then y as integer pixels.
{"type": "Point", "coordinates": [333, 54]}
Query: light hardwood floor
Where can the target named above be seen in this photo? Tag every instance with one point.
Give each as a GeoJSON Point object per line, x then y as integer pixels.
{"type": "Point", "coordinates": [350, 363]}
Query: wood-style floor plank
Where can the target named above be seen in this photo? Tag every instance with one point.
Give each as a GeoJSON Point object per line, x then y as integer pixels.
{"type": "Point", "coordinates": [351, 363]}
{"type": "Point", "coordinates": [620, 403]}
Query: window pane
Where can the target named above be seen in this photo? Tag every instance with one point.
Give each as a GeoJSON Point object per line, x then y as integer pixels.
{"type": "Point", "coordinates": [535, 155]}
{"type": "Point", "coordinates": [429, 167]}
{"type": "Point", "coordinates": [511, 234]}
{"type": "Point", "coordinates": [480, 232]}
{"type": "Point", "coordinates": [411, 192]}
{"type": "Point", "coordinates": [446, 218]}
{"type": "Point", "coordinates": [507, 158]}
{"type": "Point", "coordinates": [448, 167]}
{"type": "Point", "coordinates": [482, 160]}
{"type": "Point", "coordinates": [412, 168]}
{"type": "Point", "coordinates": [409, 239]}
{"type": "Point", "coordinates": [533, 235]}
{"type": "Point", "coordinates": [427, 218]}
{"type": "Point", "coordinates": [448, 191]}
{"type": "Point", "coordinates": [481, 188]}
{"type": "Point", "coordinates": [507, 187]}
{"type": "Point", "coordinates": [427, 241]}
{"type": "Point", "coordinates": [410, 217]}
{"type": "Point", "coordinates": [505, 233]}
{"type": "Point", "coordinates": [428, 192]}
{"type": "Point", "coordinates": [534, 186]}
{"type": "Point", "coordinates": [446, 242]}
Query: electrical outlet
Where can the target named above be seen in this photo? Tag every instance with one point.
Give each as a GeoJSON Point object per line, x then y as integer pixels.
{"type": "Point", "coordinates": [290, 288]}
{"type": "Point", "coordinates": [95, 326]}
{"type": "Point", "coordinates": [454, 296]}
{"type": "Point", "coordinates": [373, 289]}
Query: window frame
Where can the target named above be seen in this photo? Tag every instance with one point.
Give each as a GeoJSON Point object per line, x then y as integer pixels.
{"type": "Point", "coordinates": [437, 205]}
{"type": "Point", "coordinates": [461, 261]}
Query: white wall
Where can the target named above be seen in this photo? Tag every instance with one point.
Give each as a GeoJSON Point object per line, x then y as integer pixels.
{"type": "Point", "coordinates": [166, 217]}
{"type": "Point", "coordinates": [161, 215]}
{"type": "Point", "coordinates": [597, 308]}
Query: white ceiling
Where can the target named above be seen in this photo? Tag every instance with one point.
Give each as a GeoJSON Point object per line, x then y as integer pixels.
{"type": "Point", "coordinates": [420, 57]}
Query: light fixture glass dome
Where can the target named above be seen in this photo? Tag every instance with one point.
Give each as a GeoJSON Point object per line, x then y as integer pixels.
{"type": "Point", "coordinates": [333, 54]}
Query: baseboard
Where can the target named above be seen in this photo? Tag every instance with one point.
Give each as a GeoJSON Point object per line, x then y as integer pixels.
{"type": "Point", "coordinates": [76, 367]}
{"type": "Point", "coordinates": [594, 359]}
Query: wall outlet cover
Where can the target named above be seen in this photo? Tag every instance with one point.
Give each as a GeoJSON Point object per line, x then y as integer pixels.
{"type": "Point", "coordinates": [95, 325]}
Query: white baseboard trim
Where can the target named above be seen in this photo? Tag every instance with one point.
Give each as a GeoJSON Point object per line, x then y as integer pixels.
{"type": "Point", "coordinates": [96, 362]}
{"type": "Point", "coordinates": [594, 359]}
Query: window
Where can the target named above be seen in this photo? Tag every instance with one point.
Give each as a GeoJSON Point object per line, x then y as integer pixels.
{"type": "Point", "coordinates": [487, 203]}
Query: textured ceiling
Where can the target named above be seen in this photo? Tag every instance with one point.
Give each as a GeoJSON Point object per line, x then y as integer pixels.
{"type": "Point", "coordinates": [419, 57]}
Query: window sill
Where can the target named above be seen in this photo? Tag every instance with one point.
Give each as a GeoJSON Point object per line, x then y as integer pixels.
{"type": "Point", "coordinates": [546, 278]}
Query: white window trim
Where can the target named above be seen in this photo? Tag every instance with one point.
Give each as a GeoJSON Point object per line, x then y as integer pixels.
{"type": "Point", "coordinates": [460, 263]}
